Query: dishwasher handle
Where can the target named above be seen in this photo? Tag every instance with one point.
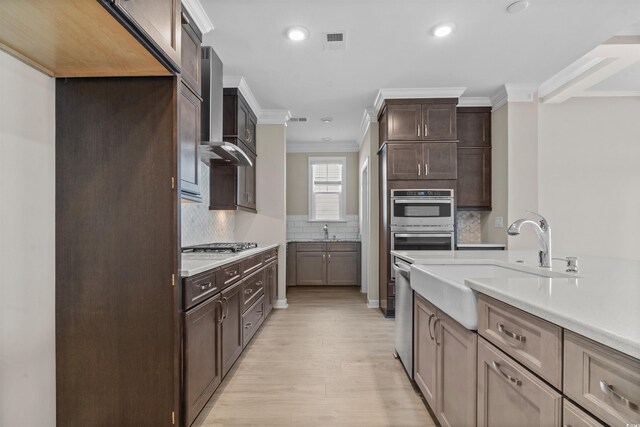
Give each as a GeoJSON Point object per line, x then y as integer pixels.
{"type": "Point", "coordinates": [402, 268]}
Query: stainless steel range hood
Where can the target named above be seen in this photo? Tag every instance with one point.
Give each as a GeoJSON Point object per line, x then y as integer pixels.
{"type": "Point", "coordinates": [213, 149]}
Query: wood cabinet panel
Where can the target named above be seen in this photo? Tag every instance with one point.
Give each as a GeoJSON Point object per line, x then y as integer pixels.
{"type": "Point", "coordinates": [404, 122]}
{"type": "Point", "coordinates": [311, 268]}
{"type": "Point", "coordinates": [600, 379]}
{"type": "Point", "coordinates": [231, 326]}
{"type": "Point", "coordinates": [191, 40]}
{"type": "Point", "coordinates": [439, 122]}
{"type": "Point", "coordinates": [537, 343]}
{"type": "Point", "coordinates": [439, 160]}
{"type": "Point", "coordinates": [474, 178]}
{"type": "Point", "coordinates": [252, 320]}
{"type": "Point", "coordinates": [251, 264]}
{"type": "Point", "coordinates": [189, 106]}
{"type": "Point", "coordinates": [229, 274]}
{"type": "Point", "coordinates": [252, 289]}
{"type": "Point", "coordinates": [572, 416]}
{"type": "Point", "coordinates": [508, 393]}
{"type": "Point", "coordinates": [202, 355]}
{"type": "Point", "coordinates": [343, 268]}
{"type": "Point", "coordinates": [474, 127]}
{"type": "Point", "coordinates": [404, 161]}
{"type": "Point", "coordinates": [425, 350]}
{"type": "Point", "coordinates": [270, 287]}
{"type": "Point", "coordinates": [343, 246]}
{"type": "Point", "coordinates": [198, 288]}
{"type": "Point", "coordinates": [311, 246]}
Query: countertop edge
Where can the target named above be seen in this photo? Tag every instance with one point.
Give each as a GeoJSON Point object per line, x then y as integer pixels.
{"type": "Point", "coordinates": [213, 264]}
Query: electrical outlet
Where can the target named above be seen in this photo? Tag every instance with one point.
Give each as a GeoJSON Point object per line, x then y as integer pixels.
{"type": "Point", "coordinates": [499, 222]}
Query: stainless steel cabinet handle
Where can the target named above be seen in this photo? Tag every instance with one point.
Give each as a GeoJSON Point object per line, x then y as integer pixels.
{"type": "Point", "coordinates": [226, 306]}
{"type": "Point", "coordinates": [418, 130]}
{"type": "Point", "coordinates": [431, 316]}
{"type": "Point", "coordinates": [205, 286]}
{"type": "Point", "coordinates": [509, 334]}
{"type": "Point", "coordinates": [248, 325]}
{"type": "Point", "coordinates": [221, 311]}
{"type": "Point", "coordinates": [323, 258]}
{"type": "Point", "coordinates": [435, 332]}
{"type": "Point", "coordinates": [418, 169]}
{"type": "Point", "coordinates": [426, 130]}
{"type": "Point", "coordinates": [608, 389]}
{"type": "Point", "coordinates": [329, 258]}
{"type": "Point", "coordinates": [426, 169]}
{"type": "Point", "coordinates": [248, 291]}
{"type": "Point", "coordinates": [185, 19]}
{"type": "Point", "coordinates": [259, 283]}
{"type": "Point", "coordinates": [512, 380]}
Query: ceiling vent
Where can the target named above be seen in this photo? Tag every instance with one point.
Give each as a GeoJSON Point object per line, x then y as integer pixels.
{"type": "Point", "coordinates": [299, 119]}
{"type": "Point", "coordinates": [336, 40]}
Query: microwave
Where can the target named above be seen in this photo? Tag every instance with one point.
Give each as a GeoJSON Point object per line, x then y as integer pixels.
{"type": "Point", "coordinates": [428, 209]}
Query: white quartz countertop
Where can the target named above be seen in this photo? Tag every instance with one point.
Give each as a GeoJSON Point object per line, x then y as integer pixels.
{"type": "Point", "coordinates": [481, 245]}
{"type": "Point", "coordinates": [194, 263]}
{"type": "Point", "coordinates": [602, 303]}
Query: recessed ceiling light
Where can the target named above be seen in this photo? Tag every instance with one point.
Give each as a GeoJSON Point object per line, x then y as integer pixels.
{"type": "Point", "coordinates": [443, 30]}
{"type": "Point", "coordinates": [327, 139]}
{"type": "Point", "coordinates": [327, 119]}
{"type": "Point", "coordinates": [297, 33]}
{"type": "Point", "coordinates": [518, 6]}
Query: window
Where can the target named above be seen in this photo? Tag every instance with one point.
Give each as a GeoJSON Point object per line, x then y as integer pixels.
{"type": "Point", "coordinates": [327, 188]}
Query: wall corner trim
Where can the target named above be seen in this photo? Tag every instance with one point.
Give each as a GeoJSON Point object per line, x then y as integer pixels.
{"type": "Point", "coordinates": [370, 116]}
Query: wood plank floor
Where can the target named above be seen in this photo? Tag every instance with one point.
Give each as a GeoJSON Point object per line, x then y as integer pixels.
{"type": "Point", "coordinates": [327, 360]}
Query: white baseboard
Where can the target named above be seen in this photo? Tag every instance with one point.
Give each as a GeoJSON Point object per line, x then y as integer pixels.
{"type": "Point", "coordinates": [373, 303]}
{"type": "Point", "coordinates": [281, 303]}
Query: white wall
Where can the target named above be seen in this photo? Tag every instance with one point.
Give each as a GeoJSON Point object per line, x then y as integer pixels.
{"type": "Point", "coordinates": [27, 246]}
{"type": "Point", "coordinates": [269, 225]}
{"type": "Point", "coordinates": [589, 175]}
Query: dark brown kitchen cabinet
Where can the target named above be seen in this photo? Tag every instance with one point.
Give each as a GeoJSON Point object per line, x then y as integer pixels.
{"type": "Point", "coordinates": [202, 355]}
{"type": "Point", "coordinates": [271, 286]}
{"type": "Point", "coordinates": [189, 105]}
{"type": "Point", "coordinates": [252, 320]}
{"type": "Point", "coordinates": [507, 392]}
{"type": "Point", "coordinates": [343, 268]}
{"type": "Point", "coordinates": [311, 268]}
{"type": "Point", "coordinates": [429, 160]}
{"type": "Point", "coordinates": [232, 303]}
{"type": "Point", "coordinates": [420, 120]}
{"type": "Point", "coordinates": [246, 188]}
{"type": "Point", "coordinates": [474, 126]}
{"type": "Point", "coordinates": [191, 54]}
{"type": "Point", "coordinates": [239, 123]}
{"type": "Point", "coordinates": [474, 178]}
{"type": "Point", "coordinates": [234, 187]}
{"type": "Point", "coordinates": [324, 263]}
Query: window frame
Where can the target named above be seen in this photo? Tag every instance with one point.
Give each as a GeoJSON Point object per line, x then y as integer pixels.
{"type": "Point", "coordinates": [343, 195]}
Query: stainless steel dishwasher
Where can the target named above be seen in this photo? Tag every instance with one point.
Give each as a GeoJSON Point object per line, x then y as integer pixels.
{"type": "Point", "coordinates": [404, 315]}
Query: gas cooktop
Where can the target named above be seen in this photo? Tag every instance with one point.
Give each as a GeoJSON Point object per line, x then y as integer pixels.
{"type": "Point", "coordinates": [219, 247]}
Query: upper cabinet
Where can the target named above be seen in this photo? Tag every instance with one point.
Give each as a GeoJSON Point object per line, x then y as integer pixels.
{"type": "Point", "coordinates": [419, 120]}
{"type": "Point", "coordinates": [190, 56]}
{"type": "Point", "coordinates": [474, 127]}
{"type": "Point", "coordinates": [428, 160]}
{"type": "Point", "coordinates": [474, 158]}
{"type": "Point", "coordinates": [94, 38]}
{"type": "Point", "coordinates": [239, 120]}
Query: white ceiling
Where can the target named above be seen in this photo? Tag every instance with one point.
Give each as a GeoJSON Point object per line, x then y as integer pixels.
{"type": "Point", "coordinates": [389, 46]}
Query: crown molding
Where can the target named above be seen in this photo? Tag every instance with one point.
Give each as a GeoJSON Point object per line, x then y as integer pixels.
{"type": "Point", "coordinates": [241, 84]}
{"type": "Point", "coordinates": [199, 16]}
{"type": "Point", "coordinates": [274, 117]}
{"type": "Point", "coordinates": [568, 74]}
{"type": "Point", "coordinates": [322, 147]}
{"type": "Point", "coordinates": [417, 93]}
{"type": "Point", "coordinates": [499, 99]}
{"type": "Point", "coordinates": [369, 116]}
{"type": "Point", "coordinates": [521, 92]}
{"type": "Point", "coordinates": [474, 101]}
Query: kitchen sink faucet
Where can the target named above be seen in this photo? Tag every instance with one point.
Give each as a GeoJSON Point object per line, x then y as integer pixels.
{"type": "Point", "coordinates": [325, 228]}
{"type": "Point", "coordinates": [543, 231]}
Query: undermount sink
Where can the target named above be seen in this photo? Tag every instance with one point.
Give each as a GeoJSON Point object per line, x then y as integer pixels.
{"type": "Point", "coordinates": [444, 286]}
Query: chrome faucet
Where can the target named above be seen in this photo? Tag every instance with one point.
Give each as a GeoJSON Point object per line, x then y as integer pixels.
{"type": "Point", "coordinates": [325, 228]}
{"type": "Point", "coordinates": [543, 231]}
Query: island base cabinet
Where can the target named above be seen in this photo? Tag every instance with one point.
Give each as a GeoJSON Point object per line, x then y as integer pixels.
{"type": "Point", "coordinates": [424, 350]}
{"type": "Point", "coordinates": [575, 417]}
{"type": "Point", "coordinates": [509, 395]}
{"type": "Point", "coordinates": [232, 303]}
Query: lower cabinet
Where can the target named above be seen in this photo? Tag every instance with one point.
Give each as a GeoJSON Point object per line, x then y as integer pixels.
{"type": "Point", "coordinates": [343, 268]}
{"type": "Point", "coordinates": [232, 303]}
{"type": "Point", "coordinates": [320, 263]}
{"type": "Point", "coordinates": [252, 320]}
{"type": "Point", "coordinates": [311, 268]}
{"type": "Point", "coordinates": [445, 355]}
{"type": "Point", "coordinates": [509, 394]}
{"type": "Point", "coordinates": [270, 287]}
{"type": "Point", "coordinates": [203, 357]}
{"type": "Point", "coordinates": [572, 416]}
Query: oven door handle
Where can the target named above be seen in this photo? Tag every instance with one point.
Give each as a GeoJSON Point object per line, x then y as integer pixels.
{"type": "Point", "coordinates": [421, 235]}
{"type": "Point", "coordinates": [423, 201]}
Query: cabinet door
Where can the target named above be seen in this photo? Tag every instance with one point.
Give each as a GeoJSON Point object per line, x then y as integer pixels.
{"type": "Point", "coordinates": [474, 178]}
{"type": "Point", "coordinates": [159, 20]}
{"type": "Point", "coordinates": [404, 161]}
{"type": "Point", "coordinates": [508, 393]}
{"type": "Point", "coordinates": [424, 349]}
{"type": "Point", "coordinates": [456, 370]}
{"type": "Point", "coordinates": [439, 160]}
{"type": "Point", "coordinates": [474, 128]}
{"type": "Point", "coordinates": [250, 132]}
{"type": "Point", "coordinates": [311, 268]}
{"type": "Point", "coordinates": [268, 303]}
{"type": "Point", "coordinates": [191, 57]}
{"type": "Point", "coordinates": [231, 326]}
{"type": "Point", "coordinates": [439, 122]}
{"type": "Point", "coordinates": [274, 285]}
{"type": "Point", "coordinates": [189, 111]}
{"type": "Point", "coordinates": [202, 355]}
{"type": "Point", "coordinates": [343, 268]}
{"type": "Point", "coordinates": [241, 189]}
{"type": "Point", "coordinates": [250, 185]}
{"type": "Point", "coordinates": [403, 122]}
{"type": "Point", "coordinates": [242, 119]}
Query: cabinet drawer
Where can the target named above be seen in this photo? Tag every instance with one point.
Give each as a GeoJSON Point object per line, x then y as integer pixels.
{"type": "Point", "coordinates": [229, 275]}
{"type": "Point", "coordinates": [252, 289]}
{"type": "Point", "coordinates": [534, 342]}
{"type": "Point", "coordinates": [252, 320]}
{"type": "Point", "coordinates": [311, 247]}
{"type": "Point", "coordinates": [509, 394]}
{"type": "Point", "coordinates": [198, 288]}
{"type": "Point", "coordinates": [270, 255]}
{"type": "Point", "coordinates": [251, 264]}
{"type": "Point", "coordinates": [604, 381]}
{"type": "Point", "coordinates": [573, 416]}
{"type": "Point", "coordinates": [343, 247]}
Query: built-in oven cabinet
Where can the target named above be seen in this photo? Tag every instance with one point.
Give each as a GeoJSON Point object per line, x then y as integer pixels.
{"type": "Point", "coordinates": [417, 161]}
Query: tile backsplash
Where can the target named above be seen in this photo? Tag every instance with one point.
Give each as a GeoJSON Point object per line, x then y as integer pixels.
{"type": "Point", "coordinates": [199, 224]}
{"type": "Point", "coordinates": [299, 228]}
{"type": "Point", "coordinates": [469, 226]}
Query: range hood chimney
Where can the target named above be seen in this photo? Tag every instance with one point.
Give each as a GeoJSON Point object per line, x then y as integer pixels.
{"type": "Point", "coordinates": [212, 148]}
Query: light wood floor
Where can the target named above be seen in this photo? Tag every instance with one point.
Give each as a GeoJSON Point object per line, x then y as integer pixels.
{"type": "Point", "coordinates": [327, 360]}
